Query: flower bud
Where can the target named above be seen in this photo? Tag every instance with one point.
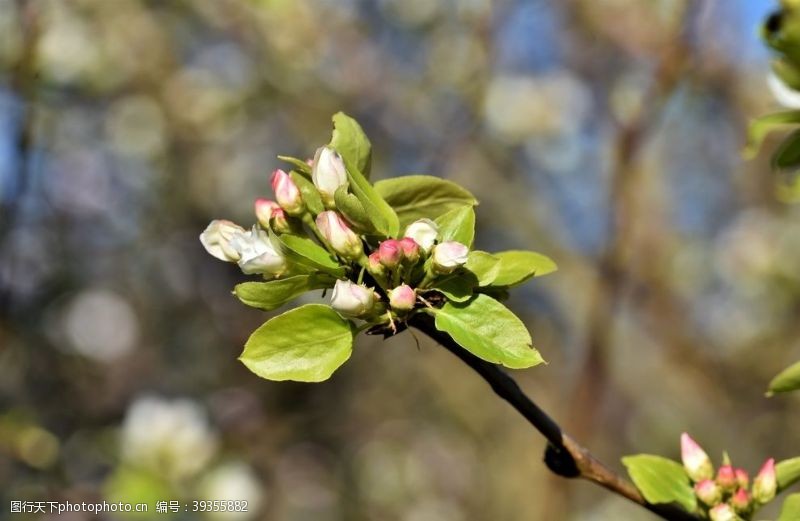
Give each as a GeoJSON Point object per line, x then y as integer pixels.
{"type": "Point", "coordinates": [695, 460]}
{"type": "Point", "coordinates": [265, 209]}
{"type": "Point", "coordinates": [257, 254]}
{"type": "Point", "coordinates": [328, 173]}
{"type": "Point", "coordinates": [390, 253]}
{"type": "Point", "coordinates": [280, 222]}
{"type": "Point", "coordinates": [351, 299]}
{"type": "Point", "coordinates": [410, 249]}
{"type": "Point", "coordinates": [341, 238]}
{"type": "Point", "coordinates": [726, 478]}
{"type": "Point", "coordinates": [742, 478]}
{"type": "Point", "coordinates": [708, 492]}
{"type": "Point", "coordinates": [424, 233]}
{"type": "Point", "coordinates": [448, 256]}
{"type": "Point", "coordinates": [402, 298]}
{"type": "Point", "coordinates": [374, 263]}
{"type": "Point", "coordinates": [765, 485]}
{"type": "Point", "coordinates": [287, 193]}
{"type": "Point", "coordinates": [741, 501]}
{"type": "Point", "coordinates": [217, 239]}
{"type": "Point", "coordinates": [723, 512]}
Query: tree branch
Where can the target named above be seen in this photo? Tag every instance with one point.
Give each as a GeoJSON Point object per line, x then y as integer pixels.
{"type": "Point", "coordinates": [563, 456]}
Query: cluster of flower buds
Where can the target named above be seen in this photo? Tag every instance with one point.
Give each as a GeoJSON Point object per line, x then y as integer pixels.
{"type": "Point", "coordinates": [727, 496]}
{"type": "Point", "coordinates": [383, 279]}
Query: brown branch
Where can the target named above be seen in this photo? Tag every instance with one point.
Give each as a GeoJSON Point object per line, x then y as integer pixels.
{"type": "Point", "coordinates": [563, 456]}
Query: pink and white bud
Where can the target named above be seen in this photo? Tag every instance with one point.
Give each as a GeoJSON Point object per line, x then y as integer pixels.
{"type": "Point", "coordinates": [765, 485]}
{"type": "Point", "coordinates": [217, 239]}
{"type": "Point", "coordinates": [410, 249]}
{"type": "Point", "coordinates": [328, 173]}
{"type": "Point", "coordinates": [351, 299]}
{"type": "Point", "coordinates": [265, 209]}
{"type": "Point", "coordinates": [339, 235]}
{"type": "Point", "coordinates": [448, 256]}
{"type": "Point", "coordinates": [696, 462]}
{"type": "Point", "coordinates": [402, 298]}
{"type": "Point", "coordinates": [741, 501]}
{"type": "Point", "coordinates": [287, 193]}
{"type": "Point", "coordinates": [424, 232]}
{"type": "Point", "coordinates": [257, 253]}
{"type": "Point", "coordinates": [726, 478]}
{"type": "Point", "coordinates": [742, 478]}
{"type": "Point", "coordinates": [391, 253]}
{"type": "Point", "coordinates": [708, 492]}
{"type": "Point", "coordinates": [280, 221]}
{"type": "Point", "coordinates": [723, 512]}
{"type": "Point", "coordinates": [374, 263]}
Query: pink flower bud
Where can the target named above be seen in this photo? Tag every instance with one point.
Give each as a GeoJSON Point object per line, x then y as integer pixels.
{"type": "Point", "coordinates": [696, 462]}
{"type": "Point", "coordinates": [217, 239]}
{"type": "Point", "coordinates": [742, 478]}
{"type": "Point", "coordinates": [726, 478]}
{"type": "Point", "coordinates": [765, 486]}
{"type": "Point", "coordinates": [723, 512]}
{"type": "Point", "coordinates": [374, 262]}
{"type": "Point", "coordinates": [264, 211]}
{"type": "Point", "coordinates": [410, 249]}
{"type": "Point", "coordinates": [351, 299]}
{"type": "Point", "coordinates": [328, 173]}
{"type": "Point", "coordinates": [390, 253]}
{"type": "Point", "coordinates": [448, 256]}
{"type": "Point", "coordinates": [741, 501]}
{"type": "Point", "coordinates": [402, 298]}
{"type": "Point", "coordinates": [424, 232]}
{"type": "Point", "coordinates": [341, 238]}
{"type": "Point", "coordinates": [280, 221]}
{"type": "Point", "coordinates": [287, 193]}
{"type": "Point", "coordinates": [708, 492]}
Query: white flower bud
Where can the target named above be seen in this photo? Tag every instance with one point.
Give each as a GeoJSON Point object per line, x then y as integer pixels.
{"type": "Point", "coordinates": [424, 233]}
{"type": "Point", "coordinates": [402, 298]}
{"type": "Point", "coordinates": [723, 512]}
{"type": "Point", "coordinates": [328, 173]}
{"type": "Point", "coordinates": [287, 193]}
{"type": "Point", "coordinates": [695, 460]}
{"type": "Point", "coordinates": [448, 256]}
{"type": "Point", "coordinates": [341, 238]}
{"type": "Point", "coordinates": [351, 299]}
{"type": "Point", "coordinates": [217, 239]}
{"type": "Point", "coordinates": [258, 255]}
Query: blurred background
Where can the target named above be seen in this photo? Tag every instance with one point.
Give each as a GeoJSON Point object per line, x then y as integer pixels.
{"type": "Point", "coordinates": [604, 134]}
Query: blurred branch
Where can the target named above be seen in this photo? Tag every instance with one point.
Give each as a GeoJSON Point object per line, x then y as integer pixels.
{"type": "Point", "coordinates": [564, 456]}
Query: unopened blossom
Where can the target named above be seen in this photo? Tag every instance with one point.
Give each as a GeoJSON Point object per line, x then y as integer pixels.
{"type": "Point", "coordinates": [695, 460]}
{"type": "Point", "coordinates": [286, 193]}
{"type": "Point", "coordinates": [257, 254]}
{"type": "Point", "coordinates": [217, 237]}
{"type": "Point", "coordinates": [723, 512]}
{"type": "Point", "coordinates": [328, 173]}
{"type": "Point", "coordinates": [390, 253]}
{"type": "Point", "coordinates": [280, 221]}
{"type": "Point", "coordinates": [351, 299]}
{"type": "Point", "coordinates": [374, 263]}
{"type": "Point", "coordinates": [726, 478]}
{"type": "Point", "coordinates": [265, 209]}
{"type": "Point", "coordinates": [708, 492]}
{"type": "Point", "coordinates": [424, 232]}
{"type": "Point", "coordinates": [742, 478]}
{"type": "Point", "coordinates": [765, 484]}
{"type": "Point", "coordinates": [741, 501]}
{"type": "Point", "coordinates": [339, 235]}
{"type": "Point", "coordinates": [402, 298]}
{"type": "Point", "coordinates": [410, 249]}
{"type": "Point", "coordinates": [449, 255]}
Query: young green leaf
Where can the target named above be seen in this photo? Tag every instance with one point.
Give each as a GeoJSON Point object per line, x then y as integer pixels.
{"type": "Point", "coordinates": [790, 511]}
{"type": "Point", "coordinates": [305, 344]}
{"type": "Point", "coordinates": [787, 472]}
{"type": "Point", "coordinates": [761, 127]}
{"type": "Point", "coordinates": [484, 266]}
{"type": "Point", "coordinates": [308, 191]}
{"type": "Point", "coordinates": [352, 143]}
{"type": "Point", "coordinates": [788, 153]}
{"type": "Point", "coordinates": [488, 330]}
{"type": "Point", "coordinates": [661, 480]}
{"type": "Point", "coordinates": [457, 225]}
{"type": "Point", "coordinates": [300, 165]}
{"type": "Point", "coordinates": [275, 293]}
{"type": "Point", "coordinates": [787, 380]}
{"type": "Point", "coordinates": [350, 206]}
{"type": "Point", "coordinates": [306, 252]}
{"type": "Point", "coordinates": [457, 287]}
{"type": "Point", "coordinates": [422, 196]}
{"type": "Point", "coordinates": [518, 266]}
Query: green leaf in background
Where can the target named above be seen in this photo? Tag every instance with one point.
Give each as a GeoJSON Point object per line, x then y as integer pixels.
{"type": "Point", "coordinates": [787, 154]}
{"type": "Point", "coordinates": [484, 265]}
{"type": "Point", "coordinates": [299, 165]}
{"type": "Point", "coordinates": [305, 344]}
{"type": "Point", "coordinates": [787, 380]}
{"type": "Point", "coordinates": [661, 480]}
{"type": "Point", "coordinates": [457, 225]}
{"type": "Point", "coordinates": [788, 473]}
{"type": "Point", "coordinates": [488, 330]}
{"type": "Point", "coordinates": [518, 266]}
{"type": "Point", "coordinates": [790, 511]}
{"type": "Point", "coordinates": [275, 293]}
{"type": "Point", "coordinates": [422, 196]}
{"type": "Point", "coordinates": [350, 206]}
{"type": "Point", "coordinates": [352, 143]}
{"type": "Point", "coordinates": [308, 191]}
{"type": "Point", "coordinates": [306, 252]}
{"type": "Point", "coordinates": [761, 127]}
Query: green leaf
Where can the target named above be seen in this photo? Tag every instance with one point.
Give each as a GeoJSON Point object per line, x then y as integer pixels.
{"type": "Point", "coordinates": [761, 127]}
{"type": "Point", "coordinates": [306, 252]}
{"type": "Point", "coordinates": [787, 472]}
{"type": "Point", "coordinates": [309, 192]}
{"type": "Point", "coordinates": [790, 511]}
{"type": "Point", "coordinates": [788, 153]}
{"type": "Point", "coordinates": [787, 380]}
{"type": "Point", "coordinates": [488, 330]}
{"type": "Point", "coordinates": [305, 344]}
{"type": "Point", "coordinates": [661, 480]}
{"type": "Point", "coordinates": [518, 266]}
{"type": "Point", "coordinates": [457, 225]}
{"type": "Point", "coordinates": [299, 164]}
{"type": "Point", "coordinates": [352, 143]}
{"type": "Point", "coordinates": [350, 206]}
{"type": "Point", "coordinates": [422, 196]}
{"type": "Point", "coordinates": [484, 265]}
{"type": "Point", "coordinates": [457, 287]}
{"type": "Point", "coordinates": [275, 293]}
